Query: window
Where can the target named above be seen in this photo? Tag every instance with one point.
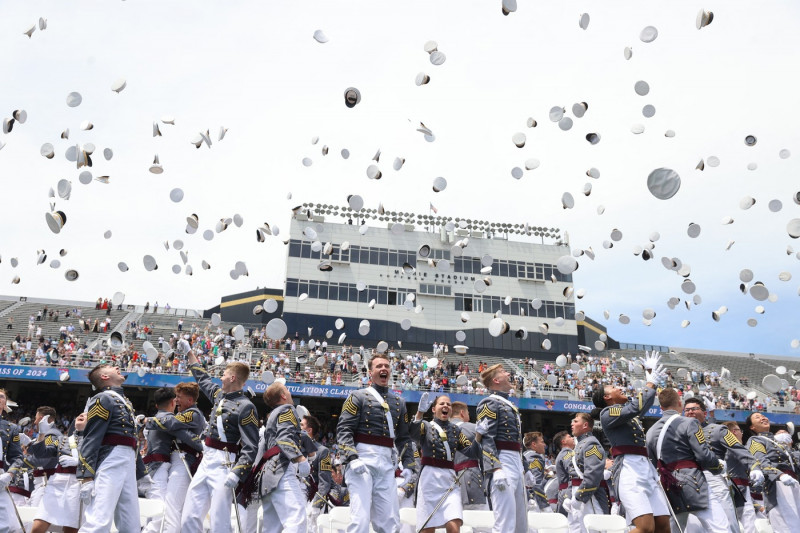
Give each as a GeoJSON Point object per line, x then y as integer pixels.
{"type": "Point", "coordinates": [467, 304]}
{"type": "Point", "coordinates": [392, 300]}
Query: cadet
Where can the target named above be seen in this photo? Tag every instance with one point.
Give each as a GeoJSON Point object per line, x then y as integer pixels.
{"type": "Point", "coordinates": [42, 454]}
{"type": "Point", "coordinates": [551, 490]}
{"type": "Point", "coordinates": [231, 443]}
{"type": "Point", "coordinates": [565, 445]}
{"type": "Point", "coordinates": [162, 430]}
{"type": "Point", "coordinates": [438, 440]}
{"type": "Point", "coordinates": [739, 473]}
{"type": "Point", "coordinates": [633, 476]}
{"type": "Point", "coordinates": [774, 468]}
{"type": "Point", "coordinates": [10, 462]}
{"type": "Point", "coordinates": [282, 499]}
{"type": "Point", "coordinates": [372, 422]}
{"type": "Point", "coordinates": [107, 456]}
{"type": "Point", "coordinates": [338, 495]}
{"type": "Point", "coordinates": [678, 446]}
{"type": "Point", "coordinates": [185, 452]}
{"type": "Point", "coordinates": [473, 495]}
{"type": "Point", "coordinates": [499, 431]}
{"type": "Point", "coordinates": [321, 468]}
{"type": "Point", "coordinates": [726, 447]}
{"type": "Point", "coordinates": [534, 470]}
{"type": "Point", "coordinates": [407, 490]}
{"type": "Point", "coordinates": [589, 462]}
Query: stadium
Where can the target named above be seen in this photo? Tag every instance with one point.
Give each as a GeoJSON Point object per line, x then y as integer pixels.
{"type": "Point", "coordinates": [422, 281]}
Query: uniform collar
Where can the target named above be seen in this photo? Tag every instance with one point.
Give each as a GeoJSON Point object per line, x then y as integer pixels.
{"type": "Point", "coordinates": [233, 395]}
{"type": "Point", "coordinates": [668, 412]}
{"type": "Point", "coordinates": [380, 388]}
{"type": "Point", "coordinates": [442, 423]}
{"type": "Point", "coordinates": [581, 437]}
{"type": "Point", "coordinates": [767, 434]}
{"type": "Point", "coordinates": [501, 394]}
{"type": "Point", "coordinates": [118, 390]}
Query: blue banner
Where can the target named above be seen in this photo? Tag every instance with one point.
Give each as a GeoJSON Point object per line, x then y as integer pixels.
{"type": "Point", "coordinates": [303, 390]}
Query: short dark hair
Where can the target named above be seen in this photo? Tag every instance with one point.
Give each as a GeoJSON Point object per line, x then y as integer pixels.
{"type": "Point", "coordinates": [188, 388]}
{"type": "Point", "coordinates": [531, 437]}
{"type": "Point", "coordinates": [669, 398]}
{"type": "Point", "coordinates": [273, 393]}
{"type": "Point", "coordinates": [558, 438]}
{"type": "Point", "coordinates": [586, 417]}
{"type": "Point", "coordinates": [313, 423]}
{"type": "Point", "coordinates": [163, 396]}
{"type": "Point", "coordinates": [47, 411]}
{"type": "Point", "coordinates": [94, 374]}
{"type": "Point", "coordinates": [701, 404]}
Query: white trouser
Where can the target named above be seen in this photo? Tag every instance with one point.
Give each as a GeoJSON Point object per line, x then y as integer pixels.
{"type": "Point", "coordinates": [39, 483]}
{"type": "Point", "coordinates": [575, 518]}
{"type": "Point", "coordinates": [249, 516]}
{"type": "Point", "coordinates": [8, 517]}
{"type": "Point", "coordinates": [746, 513]}
{"type": "Point", "coordinates": [284, 508]}
{"type": "Point", "coordinates": [783, 515]}
{"type": "Point", "coordinates": [158, 491]}
{"type": "Point", "coordinates": [711, 519]}
{"type": "Point", "coordinates": [373, 496]}
{"type": "Point", "coordinates": [510, 505]}
{"type": "Point", "coordinates": [721, 496]}
{"type": "Point", "coordinates": [638, 489]}
{"type": "Point", "coordinates": [312, 514]}
{"type": "Point", "coordinates": [208, 494]}
{"type": "Point", "coordinates": [115, 495]}
{"type": "Point", "coordinates": [405, 503]}
{"type": "Point", "coordinates": [175, 493]}
{"type": "Point", "coordinates": [60, 503]}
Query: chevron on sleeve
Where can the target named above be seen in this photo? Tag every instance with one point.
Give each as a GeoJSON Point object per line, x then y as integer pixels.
{"type": "Point", "coordinates": [756, 446]}
{"type": "Point", "coordinates": [287, 416]}
{"type": "Point", "coordinates": [615, 411]}
{"type": "Point", "coordinates": [486, 412]}
{"type": "Point", "coordinates": [250, 419]}
{"type": "Point", "coordinates": [350, 406]}
{"type": "Point", "coordinates": [700, 436]}
{"type": "Point", "coordinates": [98, 410]}
{"type": "Point", "coordinates": [730, 439]}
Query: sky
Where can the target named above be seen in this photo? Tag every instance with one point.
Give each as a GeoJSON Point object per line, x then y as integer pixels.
{"type": "Point", "coordinates": [255, 69]}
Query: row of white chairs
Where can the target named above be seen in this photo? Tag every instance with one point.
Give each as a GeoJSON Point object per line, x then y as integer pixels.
{"type": "Point", "coordinates": [147, 509]}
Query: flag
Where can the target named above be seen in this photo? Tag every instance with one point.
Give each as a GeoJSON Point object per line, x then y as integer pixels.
{"type": "Point", "coordinates": [433, 208]}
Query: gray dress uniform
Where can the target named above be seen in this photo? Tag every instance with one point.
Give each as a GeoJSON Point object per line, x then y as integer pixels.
{"type": "Point", "coordinates": [591, 460]}
{"type": "Point", "coordinates": [410, 486]}
{"type": "Point", "coordinates": [565, 473]}
{"type": "Point", "coordinates": [239, 422]}
{"type": "Point", "coordinates": [473, 489]}
{"type": "Point", "coordinates": [534, 465]}
{"type": "Point", "coordinates": [282, 437]}
{"type": "Point", "coordinates": [10, 449]}
{"type": "Point", "coordinates": [338, 495]}
{"type": "Point", "coordinates": [109, 423]}
{"type": "Point", "coordinates": [773, 460]}
{"type": "Point", "coordinates": [320, 479]}
{"type": "Point", "coordinates": [684, 455]}
{"type": "Point", "coordinates": [504, 431]}
{"type": "Point", "coordinates": [363, 419]}
{"type": "Point", "coordinates": [551, 491]}
{"type": "Point", "coordinates": [167, 432]}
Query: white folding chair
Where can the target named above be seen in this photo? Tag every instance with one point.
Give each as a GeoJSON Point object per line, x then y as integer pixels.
{"type": "Point", "coordinates": [336, 519]}
{"type": "Point", "coordinates": [408, 515]}
{"type": "Point", "coordinates": [149, 509]}
{"type": "Point", "coordinates": [475, 518]}
{"type": "Point", "coordinates": [605, 523]}
{"type": "Point", "coordinates": [27, 514]}
{"type": "Point", "coordinates": [548, 522]}
{"type": "Point", "coordinates": [763, 526]}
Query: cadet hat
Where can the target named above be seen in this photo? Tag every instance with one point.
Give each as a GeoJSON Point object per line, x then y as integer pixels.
{"type": "Point", "coordinates": [156, 167]}
{"type": "Point", "coordinates": [119, 85]}
{"type": "Point", "coordinates": [663, 183]}
{"type": "Point", "coordinates": [149, 263]}
{"type": "Point", "coordinates": [56, 220]}
{"type": "Point", "coordinates": [74, 99]}
{"type": "Point", "coordinates": [439, 184]}
{"type": "Point", "coordinates": [71, 275]}
{"type": "Point", "coordinates": [352, 97]}
{"type": "Point", "coordinates": [703, 19]}
{"type": "Point", "coordinates": [583, 21]}
{"type": "Point", "coordinates": [648, 34]}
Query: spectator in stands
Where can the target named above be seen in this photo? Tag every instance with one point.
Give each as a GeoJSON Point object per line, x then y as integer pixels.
{"type": "Point", "coordinates": [10, 322]}
{"type": "Point", "coordinates": [155, 307]}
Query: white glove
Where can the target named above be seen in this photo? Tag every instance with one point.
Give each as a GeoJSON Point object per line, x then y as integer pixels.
{"type": "Point", "coordinates": [650, 360]}
{"type": "Point", "coordinates": [67, 461]}
{"type": "Point", "coordinates": [24, 440]}
{"type": "Point", "coordinates": [303, 468]}
{"type": "Point", "coordinates": [499, 479]}
{"type": "Point", "coordinates": [87, 492]}
{"type": "Point", "coordinates": [231, 481]}
{"type": "Point", "coordinates": [615, 508]}
{"type": "Point", "coordinates": [45, 425]}
{"type": "Point", "coordinates": [788, 480]}
{"type": "Point", "coordinates": [567, 505]}
{"type": "Point", "coordinates": [782, 438]}
{"type": "Point", "coordinates": [656, 375]}
{"type": "Point", "coordinates": [357, 466]}
{"type": "Point", "coordinates": [482, 428]}
{"type": "Point", "coordinates": [407, 474]}
{"type": "Point", "coordinates": [756, 476]}
{"type": "Point", "coordinates": [425, 403]}
{"type": "Point", "coordinates": [577, 507]}
{"type": "Point", "coordinates": [5, 480]}
{"type": "Point", "coordinates": [606, 474]}
{"type": "Point", "coordinates": [140, 419]}
{"type": "Point", "coordinates": [183, 346]}
{"type": "Point", "coordinates": [710, 404]}
{"type": "Point", "coordinates": [401, 493]}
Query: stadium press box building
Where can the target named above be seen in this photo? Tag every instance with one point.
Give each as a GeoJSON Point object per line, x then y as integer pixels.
{"type": "Point", "coordinates": [419, 279]}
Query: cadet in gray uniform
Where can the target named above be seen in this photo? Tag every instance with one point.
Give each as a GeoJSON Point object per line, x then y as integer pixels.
{"type": "Point", "coordinates": [407, 489]}
{"type": "Point", "coordinates": [551, 490]}
{"type": "Point", "coordinates": [774, 468]}
{"type": "Point", "coordinates": [739, 473]}
{"type": "Point", "coordinates": [724, 445]}
{"type": "Point", "coordinates": [231, 443]}
{"type": "Point", "coordinates": [565, 444]}
{"type": "Point", "coordinates": [161, 431]}
{"type": "Point", "coordinates": [634, 477]}
{"type": "Point", "coordinates": [588, 462]}
{"type": "Point", "coordinates": [321, 468]}
{"type": "Point", "coordinates": [11, 461]}
{"type": "Point", "coordinates": [499, 431]}
{"type": "Point", "coordinates": [282, 499]}
{"type": "Point", "coordinates": [473, 493]}
{"type": "Point", "coordinates": [107, 457]}
{"type": "Point", "coordinates": [534, 470]}
{"type": "Point", "coordinates": [338, 495]}
{"type": "Point", "coordinates": [677, 445]}
{"type": "Point", "coordinates": [42, 453]}
{"type": "Point", "coordinates": [438, 440]}
{"type": "Point", "coordinates": [373, 421]}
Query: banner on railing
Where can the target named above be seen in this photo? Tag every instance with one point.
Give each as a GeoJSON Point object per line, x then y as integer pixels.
{"type": "Point", "coordinates": [310, 390]}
